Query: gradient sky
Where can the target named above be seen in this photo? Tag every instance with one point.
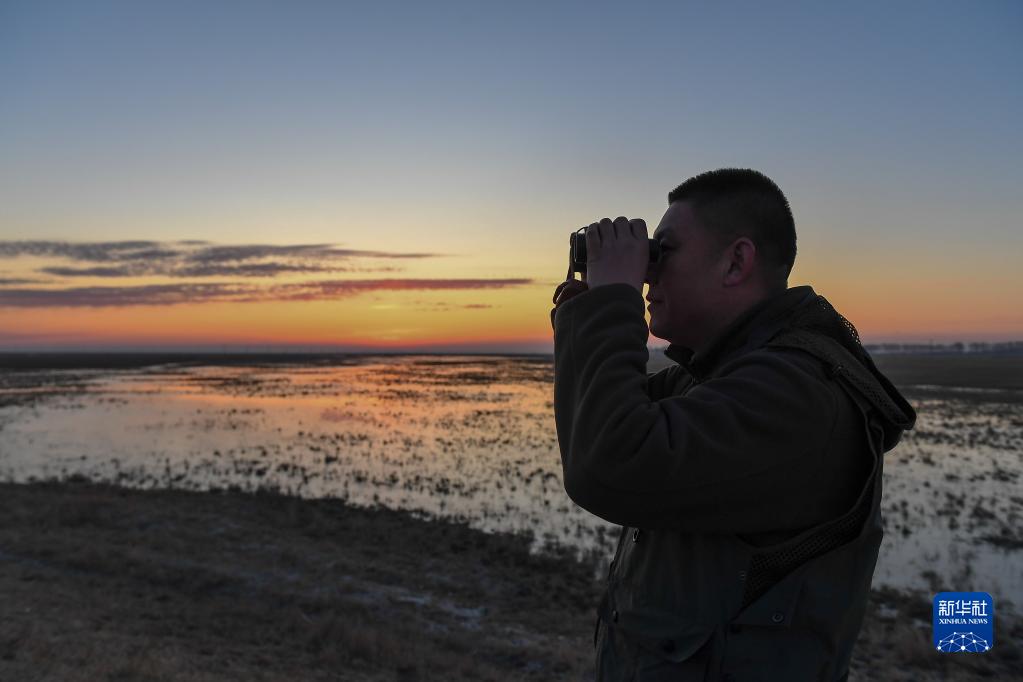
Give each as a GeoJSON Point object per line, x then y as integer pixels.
{"type": "Point", "coordinates": [406, 175]}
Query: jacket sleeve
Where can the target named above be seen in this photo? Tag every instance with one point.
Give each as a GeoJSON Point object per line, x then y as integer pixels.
{"type": "Point", "coordinates": [734, 454]}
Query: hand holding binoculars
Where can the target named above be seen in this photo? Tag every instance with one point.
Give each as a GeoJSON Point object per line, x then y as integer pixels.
{"type": "Point", "coordinates": [577, 252]}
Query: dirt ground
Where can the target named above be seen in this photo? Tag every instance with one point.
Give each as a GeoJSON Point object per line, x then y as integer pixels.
{"type": "Point", "coordinates": [104, 583]}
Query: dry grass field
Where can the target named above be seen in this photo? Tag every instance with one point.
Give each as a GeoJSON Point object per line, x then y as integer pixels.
{"type": "Point", "coordinates": [103, 583]}
{"type": "Point", "coordinates": [108, 584]}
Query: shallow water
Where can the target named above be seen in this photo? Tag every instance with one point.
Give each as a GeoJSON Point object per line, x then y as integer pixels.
{"type": "Point", "coordinates": [472, 438]}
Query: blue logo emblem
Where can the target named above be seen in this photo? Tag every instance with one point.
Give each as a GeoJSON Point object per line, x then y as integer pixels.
{"type": "Point", "coordinates": [964, 622]}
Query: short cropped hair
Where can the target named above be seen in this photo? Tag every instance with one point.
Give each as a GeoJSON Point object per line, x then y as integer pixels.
{"type": "Point", "coordinates": [734, 202]}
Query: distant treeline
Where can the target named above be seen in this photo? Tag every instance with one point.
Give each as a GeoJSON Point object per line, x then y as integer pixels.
{"type": "Point", "coordinates": [1004, 347]}
{"type": "Point", "coordinates": [1001, 348]}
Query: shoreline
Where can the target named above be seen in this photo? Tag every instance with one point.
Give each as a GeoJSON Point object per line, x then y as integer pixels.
{"type": "Point", "coordinates": [57, 360]}
{"type": "Point", "coordinates": [108, 583]}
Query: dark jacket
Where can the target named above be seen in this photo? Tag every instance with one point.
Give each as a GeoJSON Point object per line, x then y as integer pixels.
{"type": "Point", "coordinates": [746, 479]}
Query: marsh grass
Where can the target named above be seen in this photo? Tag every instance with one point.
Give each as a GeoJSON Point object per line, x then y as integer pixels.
{"type": "Point", "coordinates": [106, 584]}
{"type": "Point", "coordinates": [102, 583]}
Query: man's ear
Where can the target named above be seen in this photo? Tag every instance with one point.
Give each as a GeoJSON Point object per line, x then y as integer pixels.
{"type": "Point", "coordinates": [740, 261]}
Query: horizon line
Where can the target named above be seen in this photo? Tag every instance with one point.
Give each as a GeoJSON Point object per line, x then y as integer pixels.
{"type": "Point", "coordinates": [453, 349]}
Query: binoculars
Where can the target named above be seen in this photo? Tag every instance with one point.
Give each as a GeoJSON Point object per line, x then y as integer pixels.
{"type": "Point", "coordinates": [577, 252]}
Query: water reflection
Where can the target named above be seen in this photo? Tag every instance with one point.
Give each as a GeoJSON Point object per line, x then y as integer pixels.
{"type": "Point", "coordinates": [471, 438]}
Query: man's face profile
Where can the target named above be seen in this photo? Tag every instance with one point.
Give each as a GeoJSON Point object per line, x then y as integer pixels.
{"type": "Point", "coordinates": [683, 284]}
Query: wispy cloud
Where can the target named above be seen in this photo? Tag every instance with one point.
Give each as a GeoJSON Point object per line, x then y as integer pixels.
{"type": "Point", "coordinates": [96, 271]}
{"type": "Point", "coordinates": [243, 265]}
{"type": "Point", "coordinates": [155, 294]}
{"type": "Point", "coordinates": [234, 292]}
{"type": "Point", "coordinates": [441, 305]}
{"type": "Point", "coordinates": [94, 252]}
{"type": "Point", "coordinates": [342, 288]}
{"type": "Point", "coordinates": [196, 258]}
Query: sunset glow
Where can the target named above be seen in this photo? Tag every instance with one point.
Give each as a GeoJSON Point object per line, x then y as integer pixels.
{"type": "Point", "coordinates": [396, 179]}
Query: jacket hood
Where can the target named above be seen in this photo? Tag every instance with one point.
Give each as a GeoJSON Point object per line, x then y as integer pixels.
{"type": "Point", "coordinates": [802, 318]}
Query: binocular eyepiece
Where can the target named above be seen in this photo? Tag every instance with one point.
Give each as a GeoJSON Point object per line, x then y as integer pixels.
{"type": "Point", "coordinates": [577, 253]}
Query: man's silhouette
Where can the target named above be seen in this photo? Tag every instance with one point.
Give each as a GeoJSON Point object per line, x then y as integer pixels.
{"type": "Point", "coordinates": [746, 477]}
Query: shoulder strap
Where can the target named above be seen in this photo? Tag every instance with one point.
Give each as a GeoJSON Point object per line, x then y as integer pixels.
{"type": "Point", "coordinates": [866, 383]}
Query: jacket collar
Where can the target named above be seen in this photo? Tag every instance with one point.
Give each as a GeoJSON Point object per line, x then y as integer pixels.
{"type": "Point", "coordinates": [751, 329]}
